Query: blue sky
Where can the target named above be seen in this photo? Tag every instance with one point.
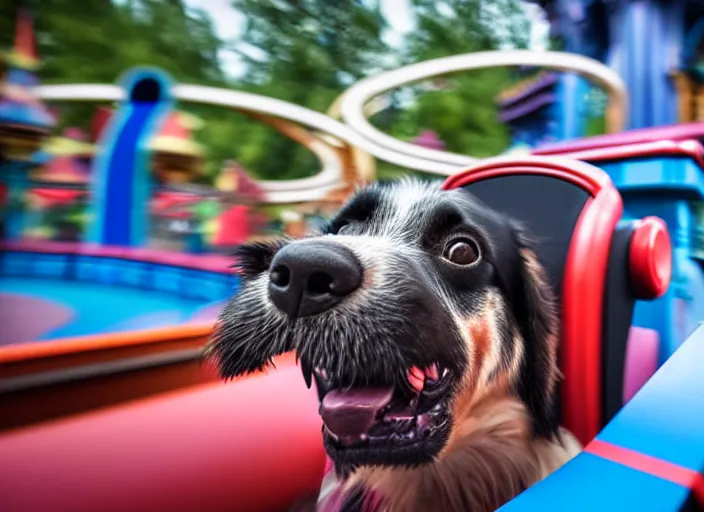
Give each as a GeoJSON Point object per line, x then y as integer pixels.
{"type": "Point", "coordinates": [229, 22]}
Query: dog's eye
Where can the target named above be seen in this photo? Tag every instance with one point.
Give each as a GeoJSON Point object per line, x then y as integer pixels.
{"type": "Point", "coordinates": [462, 252]}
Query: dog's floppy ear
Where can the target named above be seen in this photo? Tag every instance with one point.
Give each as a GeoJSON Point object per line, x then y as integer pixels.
{"type": "Point", "coordinates": [535, 310]}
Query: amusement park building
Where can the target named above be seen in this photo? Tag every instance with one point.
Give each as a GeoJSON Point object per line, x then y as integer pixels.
{"type": "Point", "coordinates": [657, 47]}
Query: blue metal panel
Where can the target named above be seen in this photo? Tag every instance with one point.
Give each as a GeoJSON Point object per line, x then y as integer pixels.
{"type": "Point", "coordinates": [87, 268]}
{"type": "Point", "coordinates": [167, 279]}
{"type": "Point", "coordinates": [15, 264]}
{"type": "Point", "coordinates": [641, 40]}
{"type": "Point", "coordinates": [666, 417]}
{"type": "Point", "coordinates": [661, 174]}
{"type": "Point", "coordinates": [572, 92]}
{"type": "Point", "coordinates": [50, 265]}
{"type": "Point", "coordinates": [212, 287]}
{"type": "Point", "coordinates": [105, 272]}
{"type": "Point", "coordinates": [134, 274]}
{"type": "Point", "coordinates": [196, 284]}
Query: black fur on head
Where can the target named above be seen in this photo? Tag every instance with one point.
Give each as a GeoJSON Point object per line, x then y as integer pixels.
{"type": "Point", "coordinates": [413, 309]}
{"type": "Point", "coordinates": [535, 309]}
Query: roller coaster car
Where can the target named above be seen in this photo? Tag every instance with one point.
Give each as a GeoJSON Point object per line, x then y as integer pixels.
{"type": "Point", "coordinates": [226, 447]}
{"type": "Point", "coordinates": [599, 266]}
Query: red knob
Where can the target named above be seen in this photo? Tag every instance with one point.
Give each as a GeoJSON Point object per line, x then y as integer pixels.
{"type": "Point", "coordinates": [650, 258]}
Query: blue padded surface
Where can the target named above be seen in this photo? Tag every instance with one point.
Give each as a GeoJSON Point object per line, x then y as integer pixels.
{"type": "Point", "coordinates": [592, 484]}
{"type": "Point", "coordinates": [666, 418]}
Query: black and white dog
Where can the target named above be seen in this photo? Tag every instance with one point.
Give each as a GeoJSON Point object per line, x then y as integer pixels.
{"type": "Point", "coordinates": [431, 332]}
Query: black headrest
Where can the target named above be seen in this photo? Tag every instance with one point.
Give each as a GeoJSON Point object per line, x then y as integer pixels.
{"type": "Point", "coordinates": [549, 207]}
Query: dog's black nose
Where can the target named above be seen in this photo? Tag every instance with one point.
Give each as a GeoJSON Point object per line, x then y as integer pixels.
{"type": "Point", "coordinates": [311, 277]}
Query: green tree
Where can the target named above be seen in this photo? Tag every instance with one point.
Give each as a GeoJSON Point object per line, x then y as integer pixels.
{"type": "Point", "coordinates": [303, 51]}
{"type": "Point", "coordinates": [96, 41]}
{"type": "Point", "coordinates": [462, 108]}
{"type": "Point", "coordinates": [306, 52]}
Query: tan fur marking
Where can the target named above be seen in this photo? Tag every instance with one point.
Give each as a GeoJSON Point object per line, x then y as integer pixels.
{"type": "Point", "coordinates": [494, 459]}
{"type": "Point", "coordinates": [481, 338]}
{"type": "Point", "coordinates": [514, 366]}
{"type": "Point", "coordinates": [537, 274]}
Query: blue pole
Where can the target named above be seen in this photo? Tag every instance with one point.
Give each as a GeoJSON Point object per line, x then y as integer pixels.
{"type": "Point", "coordinates": [122, 171]}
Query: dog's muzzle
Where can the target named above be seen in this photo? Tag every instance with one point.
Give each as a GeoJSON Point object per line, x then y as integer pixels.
{"type": "Point", "coordinates": [310, 278]}
{"type": "Point", "coordinates": [377, 418]}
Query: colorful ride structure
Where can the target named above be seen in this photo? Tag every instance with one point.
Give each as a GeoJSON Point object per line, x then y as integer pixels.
{"type": "Point", "coordinates": [108, 318]}
{"type": "Point", "coordinates": [541, 108]}
{"type": "Point", "coordinates": [92, 324]}
{"type": "Point", "coordinates": [656, 48]}
{"type": "Point", "coordinates": [24, 124]}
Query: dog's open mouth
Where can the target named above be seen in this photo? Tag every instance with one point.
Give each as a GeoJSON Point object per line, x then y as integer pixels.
{"type": "Point", "coordinates": [387, 424]}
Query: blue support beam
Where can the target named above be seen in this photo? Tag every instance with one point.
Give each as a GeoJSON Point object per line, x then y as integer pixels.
{"type": "Point", "coordinates": [122, 170]}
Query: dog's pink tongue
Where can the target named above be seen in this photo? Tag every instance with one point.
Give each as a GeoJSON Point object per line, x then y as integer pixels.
{"type": "Point", "coordinates": [350, 413]}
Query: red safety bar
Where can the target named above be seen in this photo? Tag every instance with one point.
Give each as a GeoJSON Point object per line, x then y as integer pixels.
{"type": "Point", "coordinates": [250, 445]}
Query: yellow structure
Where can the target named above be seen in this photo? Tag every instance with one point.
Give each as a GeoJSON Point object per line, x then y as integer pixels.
{"type": "Point", "coordinates": [690, 93]}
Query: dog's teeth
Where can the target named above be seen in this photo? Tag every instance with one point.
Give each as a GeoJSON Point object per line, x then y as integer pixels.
{"type": "Point", "coordinates": [307, 373]}
{"type": "Point", "coordinates": [431, 372]}
{"type": "Point", "coordinates": [416, 378]}
{"type": "Point", "coordinates": [445, 372]}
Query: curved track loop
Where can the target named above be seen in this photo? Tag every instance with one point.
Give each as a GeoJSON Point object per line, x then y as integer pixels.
{"type": "Point", "coordinates": [334, 130]}
{"type": "Point", "coordinates": [344, 163]}
{"type": "Point", "coordinates": [316, 187]}
{"type": "Point", "coordinates": [351, 106]}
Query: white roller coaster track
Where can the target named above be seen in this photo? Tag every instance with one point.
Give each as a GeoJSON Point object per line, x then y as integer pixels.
{"type": "Point", "coordinates": [285, 191]}
{"type": "Point", "coordinates": [359, 102]}
{"type": "Point", "coordinates": [352, 105]}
